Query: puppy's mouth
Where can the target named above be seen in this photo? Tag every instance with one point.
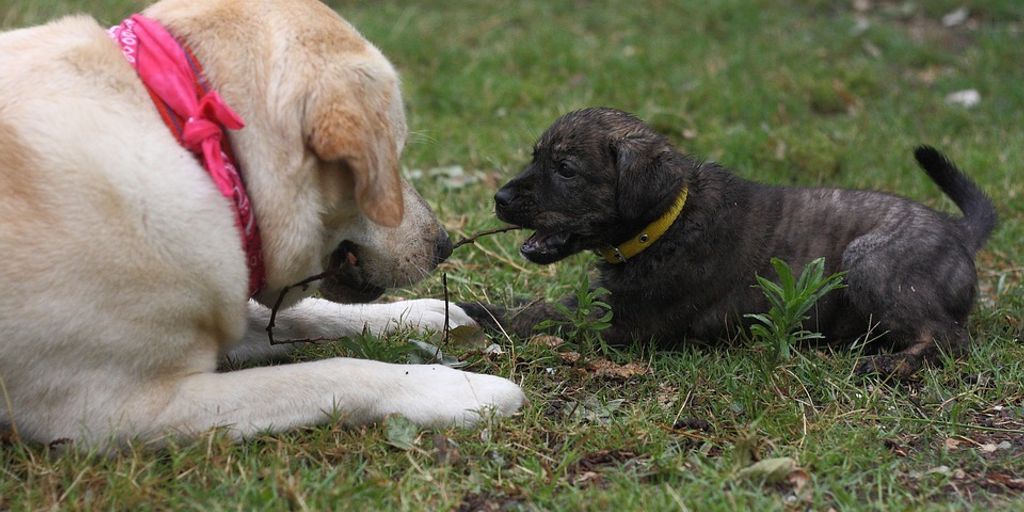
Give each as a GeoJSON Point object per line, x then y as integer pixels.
{"type": "Point", "coordinates": [346, 280]}
{"type": "Point", "coordinates": [545, 247]}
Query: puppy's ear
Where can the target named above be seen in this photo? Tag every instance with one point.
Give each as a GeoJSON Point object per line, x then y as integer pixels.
{"type": "Point", "coordinates": [642, 182]}
{"type": "Point", "coordinates": [343, 130]}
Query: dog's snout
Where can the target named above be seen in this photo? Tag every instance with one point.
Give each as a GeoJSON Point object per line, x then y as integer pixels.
{"type": "Point", "coordinates": [503, 198]}
{"type": "Point", "coordinates": [442, 248]}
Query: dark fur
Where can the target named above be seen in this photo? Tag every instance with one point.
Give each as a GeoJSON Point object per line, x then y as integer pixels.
{"type": "Point", "coordinates": [602, 175]}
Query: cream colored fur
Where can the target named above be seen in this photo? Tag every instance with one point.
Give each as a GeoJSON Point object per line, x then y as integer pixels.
{"type": "Point", "coordinates": [122, 278]}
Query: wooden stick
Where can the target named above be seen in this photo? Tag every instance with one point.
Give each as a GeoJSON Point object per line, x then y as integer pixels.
{"type": "Point", "coordinates": [481, 234]}
{"type": "Point", "coordinates": [277, 305]}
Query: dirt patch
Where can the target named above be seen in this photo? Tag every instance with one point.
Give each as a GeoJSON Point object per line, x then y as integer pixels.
{"type": "Point", "coordinates": [490, 502]}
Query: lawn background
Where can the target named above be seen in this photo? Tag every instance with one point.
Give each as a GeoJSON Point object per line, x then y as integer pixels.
{"type": "Point", "coordinates": [812, 92]}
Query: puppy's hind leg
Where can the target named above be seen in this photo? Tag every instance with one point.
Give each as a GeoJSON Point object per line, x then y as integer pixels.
{"type": "Point", "coordinates": [920, 294]}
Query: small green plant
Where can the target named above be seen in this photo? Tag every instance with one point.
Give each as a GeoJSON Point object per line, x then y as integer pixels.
{"type": "Point", "coordinates": [583, 325]}
{"type": "Point", "coordinates": [782, 326]}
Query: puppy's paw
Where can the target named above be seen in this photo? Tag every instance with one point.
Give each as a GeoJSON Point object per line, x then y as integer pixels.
{"type": "Point", "coordinates": [489, 316]}
{"type": "Point", "coordinates": [442, 396]}
{"type": "Point", "coordinates": [899, 366]}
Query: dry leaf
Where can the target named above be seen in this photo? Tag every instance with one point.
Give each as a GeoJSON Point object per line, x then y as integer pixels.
{"type": "Point", "coordinates": [545, 340]}
{"type": "Point", "coordinates": [467, 335]}
{"type": "Point", "coordinates": [667, 394]}
{"type": "Point", "coordinates": [607, 369]}
{"type": "Point", "coordinates": [776, 471]}
{"type": "Point", "coordinates": [569, 357]}
{"type": "Point", "coordinates": [798, 479]}
{"type": "Point", "coordinates": [952, 444]}
{"type": "Point", "coordinates": [400, 432]}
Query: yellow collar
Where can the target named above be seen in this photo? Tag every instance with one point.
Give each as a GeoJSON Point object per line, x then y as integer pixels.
{"type": "Point", "coordinates": [647, 237]}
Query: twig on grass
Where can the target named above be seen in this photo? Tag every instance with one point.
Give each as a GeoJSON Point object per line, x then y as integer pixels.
{"type": "Point", "coordinates": [473, 239]}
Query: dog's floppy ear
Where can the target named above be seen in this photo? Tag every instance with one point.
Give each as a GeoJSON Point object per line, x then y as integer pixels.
{"type": "Point", "coordinates": [642, 184]}
{"type": "Point", "coordinates": [342, 130]}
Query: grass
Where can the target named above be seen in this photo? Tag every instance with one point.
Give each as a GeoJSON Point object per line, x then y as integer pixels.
{"type": "Point", "coordinates": [788, 91]}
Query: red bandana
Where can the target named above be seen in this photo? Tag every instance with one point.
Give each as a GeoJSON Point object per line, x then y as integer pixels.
{"type": "Point", "coordinates": [196, 116]}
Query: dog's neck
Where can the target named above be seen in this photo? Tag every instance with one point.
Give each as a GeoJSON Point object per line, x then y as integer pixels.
{"type": "Point", "coordinates": [647, 236]}
{"type": "Point", "coordinates": [269, 149]}
{"type": "Point", "coordinates": [196, 116]}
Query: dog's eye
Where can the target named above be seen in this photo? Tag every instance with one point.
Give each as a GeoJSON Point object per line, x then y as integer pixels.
{"type": "Point", "coordinates": [565, 171]}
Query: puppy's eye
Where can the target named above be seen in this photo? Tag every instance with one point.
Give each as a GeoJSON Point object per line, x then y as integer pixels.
{"type": "Point", "coordinates": [565, 171]}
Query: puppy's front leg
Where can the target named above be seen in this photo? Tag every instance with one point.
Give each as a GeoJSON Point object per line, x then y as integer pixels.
{"type": "Point", "coordinates": [524, 322]}
{"type": "Point", "coordinates": [319, 318]}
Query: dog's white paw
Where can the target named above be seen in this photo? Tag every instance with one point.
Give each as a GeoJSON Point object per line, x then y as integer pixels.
{"type": "Point", "coordinates": [435, 395]}
{"type": "Point", "coordinates": [427, 315]}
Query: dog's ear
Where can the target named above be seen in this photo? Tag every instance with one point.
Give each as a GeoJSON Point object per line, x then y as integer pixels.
{"type": "Point", "coordinates": [642, 183]}
{"type": "Point", "coordinates": [364, 139]}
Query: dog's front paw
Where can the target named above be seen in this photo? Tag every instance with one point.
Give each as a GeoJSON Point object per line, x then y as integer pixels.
{"type": "Point", "coordinates": [427, 315]}
{"type": "Point", "coordinates": [899, 366]}
{"type": "Point", "coordinates": [442, 396]}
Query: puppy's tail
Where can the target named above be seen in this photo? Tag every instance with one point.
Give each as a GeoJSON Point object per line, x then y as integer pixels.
{"type": "Point", "coordinates": [979, 214]}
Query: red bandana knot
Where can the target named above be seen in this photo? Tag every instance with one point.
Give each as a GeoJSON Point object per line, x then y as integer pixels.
{"type": "Point", "coordinates": [196, 115]}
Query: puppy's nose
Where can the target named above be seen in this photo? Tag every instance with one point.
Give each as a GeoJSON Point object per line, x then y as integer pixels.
{"type": "Point", "coordinates": [442, 247]}
{"type": "Point", "coordinates": [503, 198]}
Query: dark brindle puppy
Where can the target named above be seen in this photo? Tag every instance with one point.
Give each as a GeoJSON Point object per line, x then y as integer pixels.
{"type": "Point", "coordinates": [601, 179]}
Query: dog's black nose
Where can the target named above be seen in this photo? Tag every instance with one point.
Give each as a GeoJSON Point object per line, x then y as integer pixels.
{"type": "Point", "coordinates": [503, 198]}
{"type": "Point", "coordinates": [442, 248]}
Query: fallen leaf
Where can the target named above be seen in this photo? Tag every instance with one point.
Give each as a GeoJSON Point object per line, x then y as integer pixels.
{"type": "Point", "coordinates": [545, 340]}
{"type": "Point", "coordinates": [493, 349]}
{"type": "Point", "coordinates": [400, 432]}
{"type": "Point", "coordinates": [428, 353]}
{"type": "Point", "coordinates": [776, 471]}
{"type": "Point", "coordinates": [607, 369]}
{"type": "Point", "coordinates": [569, 357]}
{"type": "Point", "coordinates": [594, 410]}
{"type": "Point", "coordinates": [467, 335]}
{"type": "Point", "coordinates": [952, 444]}
{"type": "Point", "coordinates": [798, 479]}
{"type": "Point", "coordinates": [667, 394]}
{"type": "Point", "coordinates": [988, 447]}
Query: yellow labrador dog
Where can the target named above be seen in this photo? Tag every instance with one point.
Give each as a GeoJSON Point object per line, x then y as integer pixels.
{"type": "Point", "coordinates": [123, 278]}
